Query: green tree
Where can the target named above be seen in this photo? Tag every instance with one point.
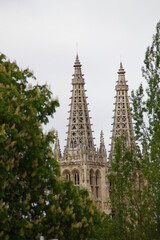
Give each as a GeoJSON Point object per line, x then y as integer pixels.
{"type": "Point", "coordinates": [135, 176]}
{"type": "Point", "coordinates": [27, 166]}
{"type": "Point", "coordinates": [122, 190]}
{"type": "Point", "coordinates": [146, 114]}
{"type": "Point", "coordinates": [130, 203]}
{"type": "Point", "coordinates": [78, 217]}
{"type": "Point", "coordinates": [33, 199]}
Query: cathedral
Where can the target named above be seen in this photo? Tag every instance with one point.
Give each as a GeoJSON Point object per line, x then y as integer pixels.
{"type": "Point", "coordinates": [81, 163]}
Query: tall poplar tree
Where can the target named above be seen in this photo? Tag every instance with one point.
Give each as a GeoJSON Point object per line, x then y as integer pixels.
{"type": "Point", "coordinates": [146, 114]}
{"type": "Point", "coordinates": [135, 176]}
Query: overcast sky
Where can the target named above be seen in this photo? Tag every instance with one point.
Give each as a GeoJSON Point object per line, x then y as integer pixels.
{"type": "Point", "coordinates": [46, 35]}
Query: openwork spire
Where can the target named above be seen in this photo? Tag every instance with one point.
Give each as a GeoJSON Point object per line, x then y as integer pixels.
{"type": "Point", "coordinates": [81, 163]}
{"type": "Point", "coordinates": [122, 124]}
{"type": "Point", "coordinates": [79, 128]}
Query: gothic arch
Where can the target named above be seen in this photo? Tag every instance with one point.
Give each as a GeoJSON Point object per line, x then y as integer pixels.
{"type": "Point", "coordinates": [76, 177]}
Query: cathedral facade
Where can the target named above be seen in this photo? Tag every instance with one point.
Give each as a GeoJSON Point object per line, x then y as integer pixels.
{"type": "Point", "coordinates": [81, 163]}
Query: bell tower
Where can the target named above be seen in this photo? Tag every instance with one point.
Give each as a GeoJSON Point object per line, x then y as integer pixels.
{"type": "Point", "coordinates": [81, 162]}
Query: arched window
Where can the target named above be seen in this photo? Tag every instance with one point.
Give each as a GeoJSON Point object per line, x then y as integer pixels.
{"type": "Point", "coordinates": [76, 178]}
{"type": "Point", "coordinates": [68, 177]}
{"type": "Point", "coordinates": [98, 183]}
{"type": "Point", "coordinates": [92, 181]}
{"type": "Point", "coordinates": [90, 176]}
{"type": "Point", "coordinates": [96, 180]}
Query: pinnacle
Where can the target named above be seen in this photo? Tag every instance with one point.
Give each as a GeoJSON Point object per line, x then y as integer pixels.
{"type": "Point", "coordinates": [121, 69]}
{"type": "Point", "coordinates": [101, 138]}
{"type": "Point", "coordinates": [77, 62]}
{"type": "Point", "coordinates": [101, 135]}
{"type": "Point", "coordinates": [57, 150]}
{"type": "Point", "coordinates": [78, 76]}
{"type": "Point", "coordinates": [121, 78]}
{"type": "Point", "coordinates": [102, 149]}
{"type": "Point", "coordinates": [121, 66]}
{"type": "Point", "coordinates": [77, 58]}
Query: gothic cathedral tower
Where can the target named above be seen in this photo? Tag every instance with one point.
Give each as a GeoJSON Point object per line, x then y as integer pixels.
{"type": "Point", "coordinates": [81, 162]}
{"type": "Point", "coordinates": [122, 123]}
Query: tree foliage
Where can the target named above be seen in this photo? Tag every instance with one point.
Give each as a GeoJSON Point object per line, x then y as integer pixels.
{"type": "Point", "coordinates": [123, 190]}
{"type": "Point", "coordinates": [33, 200]}
{"type": "Point", "coordinates": [135, 178]}
{"type": "Point", "coordinates": [146, 114]}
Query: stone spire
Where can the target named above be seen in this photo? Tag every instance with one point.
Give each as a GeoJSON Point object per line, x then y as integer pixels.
{"type": "Point", "coordinates": [102, 149]}
{"type": "Point", "coordinates": [79, 128]}
{"type": "Point", "coordinates": [122, 123]}
{"type": "Point", "coordinates": [81, 163]}
{"type": "Point", "coordinates": [57, 150]}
